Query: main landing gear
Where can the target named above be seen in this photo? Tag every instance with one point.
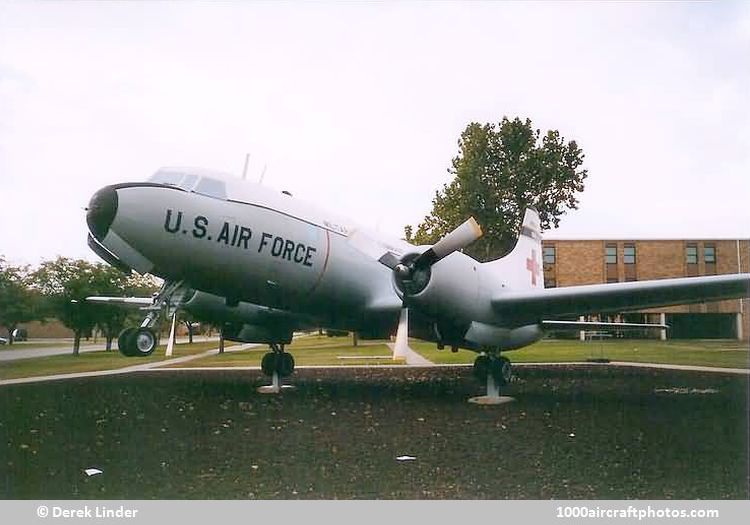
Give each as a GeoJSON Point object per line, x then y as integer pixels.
{"type": "Point", "coordinates": [496, 370]}
{"type": "Point", "coordinates": [277, 364]}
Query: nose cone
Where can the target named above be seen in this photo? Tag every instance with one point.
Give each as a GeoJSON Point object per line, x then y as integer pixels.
{"type": "Point", "coordinates": [102, 210]}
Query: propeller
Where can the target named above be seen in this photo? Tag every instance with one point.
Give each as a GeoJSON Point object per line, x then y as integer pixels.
{"type": "Point", "coordinates": [412, 273]}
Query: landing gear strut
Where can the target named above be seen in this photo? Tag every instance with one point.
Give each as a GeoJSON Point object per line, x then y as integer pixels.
{"type": "Point", "coordinates": [497, 371]}
{"type": "Point", "coordinates": [276, 364]}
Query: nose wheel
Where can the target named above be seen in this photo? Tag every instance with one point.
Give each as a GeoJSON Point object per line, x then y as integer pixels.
{"type": "Point", "coordinates": [276, 364]}
{"type": "Point", "coordinates": [137, 342]}
{"type": "Point", "coordinates": [497, 371]}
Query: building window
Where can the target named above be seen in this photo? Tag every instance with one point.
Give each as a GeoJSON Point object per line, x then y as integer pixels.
{"type": "Point", "coordinates": [611, 254]}
{"type": "Point", "coordinates": [628, 254]}
{"type": "Point", "coordinates": [691, 254]}
{"type": "Point", "coordinates": [709, 253]}
{"type": "Point", "coordinates": [612, 280]}
{"type": "Point", "coordinates": [549, 282]}
{"type": "Point", "coordinates": [549, 254]}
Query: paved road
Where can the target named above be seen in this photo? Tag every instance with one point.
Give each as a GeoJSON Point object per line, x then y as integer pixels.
{"type": "Point", "coordinates": [66, 347]}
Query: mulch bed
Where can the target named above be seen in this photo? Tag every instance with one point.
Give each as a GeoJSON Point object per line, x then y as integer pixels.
{"type": "Point", "coordinates": [575, 432]}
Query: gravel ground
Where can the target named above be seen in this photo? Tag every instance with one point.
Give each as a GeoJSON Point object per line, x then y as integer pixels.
{"type": "Point", "coordinates": [574, 432]}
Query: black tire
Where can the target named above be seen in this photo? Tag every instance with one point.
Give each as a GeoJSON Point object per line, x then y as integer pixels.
{"type": "Point", "coordinates": [144, 342]}
{"type": "Point", "coordinates": [501, 370]}
{"type": "Point", "coordinates": [481, 367]}
{"type": "Point", "coordinates": [125, 342]}
{"type": "Point", "coordinates": [285, 364]}
{"type": "Point", "coordinates": [268, 364]}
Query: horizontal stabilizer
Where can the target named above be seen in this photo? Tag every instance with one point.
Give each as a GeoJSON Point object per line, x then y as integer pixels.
{"type": "Point", "coordinates": [594, 325]}
{"type": "Point", "coordinates": [135, 302]}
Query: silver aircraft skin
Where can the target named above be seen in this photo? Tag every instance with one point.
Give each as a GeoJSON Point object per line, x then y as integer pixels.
{"type": "Point", "coordinates": [268, 264]}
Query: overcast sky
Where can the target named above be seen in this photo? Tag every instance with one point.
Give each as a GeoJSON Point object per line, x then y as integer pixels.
{"type": "Point", "coordinates": [358, 107]}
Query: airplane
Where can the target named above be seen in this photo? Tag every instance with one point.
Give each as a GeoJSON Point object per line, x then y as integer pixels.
{"type": "Point", "coordinates": [264, 264]}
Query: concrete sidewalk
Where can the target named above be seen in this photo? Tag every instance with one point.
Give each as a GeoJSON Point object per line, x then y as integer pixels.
{"type": "Point", "coordinates": [117, 371]}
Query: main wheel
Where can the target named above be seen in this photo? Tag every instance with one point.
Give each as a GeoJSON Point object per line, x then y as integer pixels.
{"type": "Point", "coordinates": [285, 364]}
{"type": "Point", "coordinates": [268, 364]}
{"type": "Point", "coordinates": [144, 342]}
{"type": "Point", "coordinates": [482, 367]}
{"type": "Point", "coordinates": [501, 370]}
{"type": "Point", "coordinates": [125, 342]}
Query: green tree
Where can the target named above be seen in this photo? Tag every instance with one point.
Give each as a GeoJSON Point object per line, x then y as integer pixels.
{"type": "Point", "coordinates": [500, 170]}
{"type": "Point", "coordinates": [64, 284]}
{"type": "Point", "coordinates": [109, 281]}
{"type": "Point", "coordinates": [18, 302]}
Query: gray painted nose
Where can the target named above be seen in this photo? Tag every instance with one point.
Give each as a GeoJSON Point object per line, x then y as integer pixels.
{"type": "Point", "coordinates": [101, 212]}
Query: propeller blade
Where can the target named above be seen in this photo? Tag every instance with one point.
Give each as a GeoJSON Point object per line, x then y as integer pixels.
{"type": "Point", "coordinates": [390, 260]}
{"type": "Point", "coordinates": [401, 346]}
{"type": "Point", "coordinates": [461, 237]}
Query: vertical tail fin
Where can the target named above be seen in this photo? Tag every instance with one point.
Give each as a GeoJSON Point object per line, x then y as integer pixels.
{"type": "Point", "coordinates": [522, 267]}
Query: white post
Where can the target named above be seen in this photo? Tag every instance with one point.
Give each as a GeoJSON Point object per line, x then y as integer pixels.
{"type": "Point", "coordinates": [663, 331]}
{"type": "Point", "coordinates": [402, 336]}
{"type": "Point", "coordinates": [170, 343]}
{"type": "Point", "coordinates": [739, 326]}
{"type": "Point", "coordinates": [582, 333]}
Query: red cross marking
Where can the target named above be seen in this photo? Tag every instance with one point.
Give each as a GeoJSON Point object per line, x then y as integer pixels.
{"type": "Point", "coordinates": [533, 267]}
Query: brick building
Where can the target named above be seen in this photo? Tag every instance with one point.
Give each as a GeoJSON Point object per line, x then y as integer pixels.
{"type": "Point", "coordinates": [574, 262]}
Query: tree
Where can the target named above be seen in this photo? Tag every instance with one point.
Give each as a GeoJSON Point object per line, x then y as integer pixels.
{"type": "Point", "coordinates": [500, 170]}
{"type": "Point", "coordinates": [65, 283]}
{"type": "Point", "coordinates": [17, 299]}
{"type": "Point", "coordinates": [109, 281]}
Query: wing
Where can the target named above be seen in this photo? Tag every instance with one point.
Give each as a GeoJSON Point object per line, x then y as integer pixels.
{"type": "Point", "coordinates": [133, 302]}
{"type": "Point", "coordinates": [533, 305]}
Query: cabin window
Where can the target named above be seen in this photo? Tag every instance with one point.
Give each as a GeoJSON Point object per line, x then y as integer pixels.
{"type": "Point", "coordinates": [211, 188]}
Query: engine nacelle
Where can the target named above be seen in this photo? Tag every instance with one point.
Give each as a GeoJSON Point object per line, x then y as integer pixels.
{"type": "Point", "coordinates": [448, 292]}
{"type": "Point", "coordinates": [251, 333]}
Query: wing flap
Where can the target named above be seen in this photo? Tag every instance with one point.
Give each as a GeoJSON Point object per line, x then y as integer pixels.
{"type": "Point", "coordinates": [531, 305]}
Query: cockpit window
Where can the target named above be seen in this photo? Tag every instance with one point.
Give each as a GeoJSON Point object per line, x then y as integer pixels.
{"type": "Point", "coordinates": [186, 181]}
{"type": "Point", "coordinates": [166, 177]}
{"type": "Point", "coordinates": [212, 188]}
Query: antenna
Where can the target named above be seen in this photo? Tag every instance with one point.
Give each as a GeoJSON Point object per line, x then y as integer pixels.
{"type": "Point", "coordinates": [244, 170]}
{"type": "Point", "coordinates": [263, 174]}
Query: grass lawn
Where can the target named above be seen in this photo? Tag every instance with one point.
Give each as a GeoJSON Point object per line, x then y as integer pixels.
{"type": "Point", "coordinates": [307, 350]}
{"type": "Point", "coordinates": [719, 353]}
{"type": "Point", "coordinates": [91, 361]}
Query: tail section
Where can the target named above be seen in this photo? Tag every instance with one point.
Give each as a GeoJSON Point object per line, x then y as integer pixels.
{"type": "Point", "coordinates": [522, 267]}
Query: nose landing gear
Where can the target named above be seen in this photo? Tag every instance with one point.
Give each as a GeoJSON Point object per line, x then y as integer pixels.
{"type": "Point", "coordinates": [496, 370]}
{"type": "Point", "coordinates": [276, 364]}
{"type": "Point", "coordinates": [137, 342]}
